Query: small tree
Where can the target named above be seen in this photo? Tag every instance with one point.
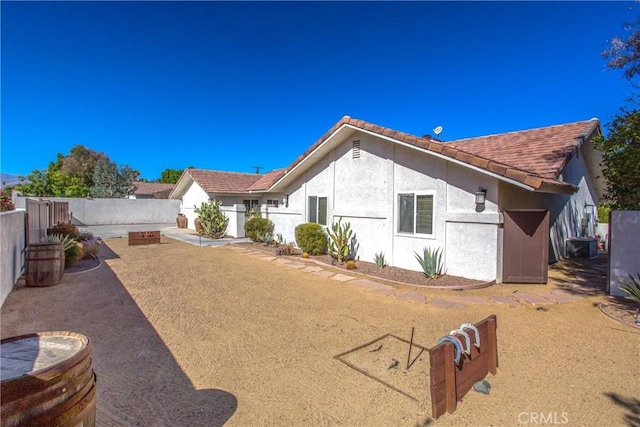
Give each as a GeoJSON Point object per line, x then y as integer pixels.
{"type": "Point", "coordinates": [214, 222]}
{"type": "Point", "coordinates": [621, 160]}
{"type": "Point", "coordinates": [111, 181]}
{"type": "Point", "coordinates": [170, 176]}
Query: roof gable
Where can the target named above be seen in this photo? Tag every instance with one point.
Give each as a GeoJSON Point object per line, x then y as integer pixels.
{"type": "Point", "coordinates": [536, 170]}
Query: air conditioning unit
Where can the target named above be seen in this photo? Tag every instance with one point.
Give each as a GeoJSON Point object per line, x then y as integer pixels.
{"type": "Point", "coordinates": [581, 247]}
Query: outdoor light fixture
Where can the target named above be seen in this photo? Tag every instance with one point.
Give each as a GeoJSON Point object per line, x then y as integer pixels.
{"type": "Point", "coordinates": [481, 195]}
{"type": "Point", "coordinates": [286, 200]}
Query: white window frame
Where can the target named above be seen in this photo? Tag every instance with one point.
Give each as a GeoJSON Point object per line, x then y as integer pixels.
{"type": "Point", "coordinates": [416, 194]}
{"type": "Point", "coordinates": [273, 203]}
{"type": "Point", "coordinates": [318, 197]}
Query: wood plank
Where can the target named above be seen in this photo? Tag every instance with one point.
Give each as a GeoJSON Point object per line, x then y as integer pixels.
{"type": "Point", "coordinates": [450, 377]}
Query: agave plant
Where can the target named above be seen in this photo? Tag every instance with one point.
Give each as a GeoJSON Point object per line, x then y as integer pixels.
{"type": "Point", "coordinates": [431, 263]}
{"type": "Point", "coordinates": [380, 261]}
{"type": "Point", "coordinates": [66, 241]}
{"type": "Point", "coordinates": [631, 287]}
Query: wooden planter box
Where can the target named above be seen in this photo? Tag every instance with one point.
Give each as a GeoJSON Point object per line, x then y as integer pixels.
{"type": "Point", "coordinates": [137, 238]}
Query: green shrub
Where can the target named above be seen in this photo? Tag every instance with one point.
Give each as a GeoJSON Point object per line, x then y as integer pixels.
{"type": "Point", "coordinates": [214, 222]}
{"type": "Point", "coordinates": [339, 240]}
{"type": "Point", "coordinates": [431, 263]}
{"type": "Point", "coordinates": [66, 229]}
{"type": "Point", "coordinates": [603, 213]}
{"type": "Point", "coordinates": [380, 261]}
{"type": "Point", "coordinates": [311, 238]}
{"type": "Point", "coordinates": [257, 228]}
{"type": "Point", "coordinates": [631, 287]}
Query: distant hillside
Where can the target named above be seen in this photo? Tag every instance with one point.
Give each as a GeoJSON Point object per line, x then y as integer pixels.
{"type": "Point", "coordinates": [7, 180]}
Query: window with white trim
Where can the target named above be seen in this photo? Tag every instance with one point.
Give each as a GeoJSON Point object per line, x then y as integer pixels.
{"type": "Point", "coordinates": [273, 202]}
{"type": "Point", "coordinates": [318, 210]}
{"type": "Point", "coordinates": [416, 213]}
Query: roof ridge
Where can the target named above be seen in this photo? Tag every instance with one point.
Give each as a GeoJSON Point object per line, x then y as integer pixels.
{"type": "Point", "coordinates": [219, 171]}
{"type": "Point", "coordinates": [522, 130]}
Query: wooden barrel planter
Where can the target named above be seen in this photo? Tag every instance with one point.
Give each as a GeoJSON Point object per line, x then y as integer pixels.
{"type": "Point", "coordinates": [47, 380]}
{"type": "Point", "coordinates": [45, 264]}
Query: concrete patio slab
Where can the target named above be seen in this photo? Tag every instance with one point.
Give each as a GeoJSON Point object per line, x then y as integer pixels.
{"type": "Point", "coordinates": [311, 269]}
{"type": "Point", "coordinates": [342, 277]}
{"type": "Point", "coordinates": [531, 299]}
{"type": "Point", "coordinates": [501, 299]}
{"type": "Point", "coordinates": [412, 296]}
{"type": "Point", "coordinates": [283, 261]}
{"type": "Point", "coordinates": [472, 300]}
{"type": "Point", "coordinates": [324, 273]}
{"type": "Point", "coordinates": [295, 265]}
{"type": "Point", "coordinates": [443, 303]}
{"type": "Point", "coordinates": [371, 284]}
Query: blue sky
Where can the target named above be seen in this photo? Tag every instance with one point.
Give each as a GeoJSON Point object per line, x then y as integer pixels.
{"type": "Point", "coordinates": [228, 86]}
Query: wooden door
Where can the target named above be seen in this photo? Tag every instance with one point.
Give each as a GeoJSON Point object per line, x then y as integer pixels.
{"type": "Point", "coordinates": [526, 246]}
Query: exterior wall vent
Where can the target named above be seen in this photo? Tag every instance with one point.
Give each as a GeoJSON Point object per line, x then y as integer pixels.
{"type": "Point", "coordinates": [355, 149]}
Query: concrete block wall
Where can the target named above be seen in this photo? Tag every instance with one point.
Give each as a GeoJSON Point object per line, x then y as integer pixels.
{"type": "Point", "coordinates": [118, 211]}
{"type": "Point", "coordinates": [12, 250]}
{"type": "Point", "coordinates": [624, 252]}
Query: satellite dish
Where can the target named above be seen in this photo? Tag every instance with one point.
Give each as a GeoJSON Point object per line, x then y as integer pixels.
{"type": "Point", "coordinates": [437, 130]}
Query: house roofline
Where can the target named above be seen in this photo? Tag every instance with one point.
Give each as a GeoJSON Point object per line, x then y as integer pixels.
{"type": "Point", "coordinates": [503, 172]}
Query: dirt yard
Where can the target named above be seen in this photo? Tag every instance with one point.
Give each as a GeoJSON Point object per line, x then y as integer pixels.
{"type": "Point", "coordinates": [203, 336]}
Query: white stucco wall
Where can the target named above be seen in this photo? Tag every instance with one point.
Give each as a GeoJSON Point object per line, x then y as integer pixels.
{"type": "Point", "coordinates": [12, 250]}
{"type": "Point", "coordinates": [363, 191]}
{"type": "Point", "coordinates": [193, 197]}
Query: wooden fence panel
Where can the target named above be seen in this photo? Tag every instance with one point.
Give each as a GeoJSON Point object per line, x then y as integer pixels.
{"type": "Point", "coordinates": [37, 220]}
{"type": "Point", "coordinates": [58, 213]}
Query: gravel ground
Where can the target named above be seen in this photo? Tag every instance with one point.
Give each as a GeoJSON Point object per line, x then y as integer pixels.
{"type": "Point", "coordinates": [202, 336]}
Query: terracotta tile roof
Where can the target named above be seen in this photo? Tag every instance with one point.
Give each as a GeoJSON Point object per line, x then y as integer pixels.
{"type": "Point", "coordinates": [542, 151]}
{"type": "Point", "coordinates": [151, 187]}
{"type": "Point", "coordinates": [543, 161]}
{"type": "Point", "coordinates": [266, 180]}
{"type": "Point", "coordinates": [223, 182]}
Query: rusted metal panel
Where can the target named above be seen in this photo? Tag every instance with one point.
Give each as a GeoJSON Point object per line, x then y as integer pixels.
{"type": "Point", "coordinates": [526, 246]}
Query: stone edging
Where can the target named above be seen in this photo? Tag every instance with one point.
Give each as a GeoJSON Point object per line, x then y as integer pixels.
{"type": "Point", "coordinates": [451, 288]}
{"type": "Point", "coordinates": [613, 317]}
{"type": "Point", "coordinates": [86, 271]}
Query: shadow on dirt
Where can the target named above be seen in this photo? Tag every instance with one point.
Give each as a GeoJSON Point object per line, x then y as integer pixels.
{"type": "Point", "coordinates": [631, 405]}
{"type": "Point", "coordinates": [139, 382]}
{"type": "Point", "coordinates": [582, 276]}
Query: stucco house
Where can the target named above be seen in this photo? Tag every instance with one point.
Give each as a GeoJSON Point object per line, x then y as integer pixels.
{"type": "Point", "coordinates": [501, 206]}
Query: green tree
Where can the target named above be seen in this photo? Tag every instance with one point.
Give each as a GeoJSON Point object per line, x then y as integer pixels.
{"type": "Point", "coordinates": [170, 176]}
{"type": "Point", "coordinates": [111, 180]}
{"type": "Point", "coordinates": [621, 148]}
{"type": "Point", "coordinates": [621, 160]}
{"type": "Point", "coordinates": [79, 164]}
